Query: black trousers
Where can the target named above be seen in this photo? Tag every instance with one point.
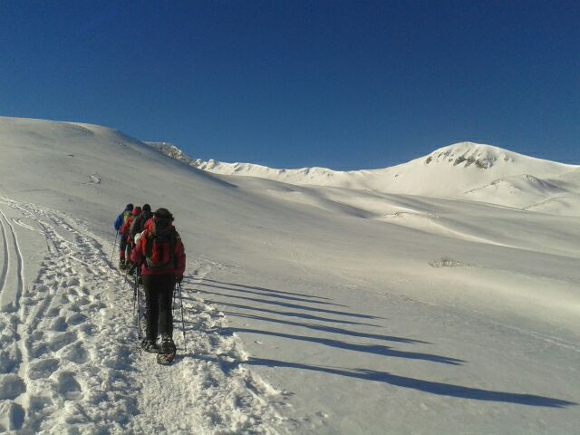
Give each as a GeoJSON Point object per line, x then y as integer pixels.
{"type": "Point", "coordinates": [159, 297]}
{"type": "Point", "coordinates": [123, 247]}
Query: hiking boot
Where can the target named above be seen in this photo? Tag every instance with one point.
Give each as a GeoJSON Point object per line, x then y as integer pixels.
{"type": "Point", "coordinates": [149, 346]}
{"type": "Point", "coordinates": [131, 268]}
{"type": "Point", "coordinates": [122, 264]}
{"type": "Point", "coordinates": [167, 345]}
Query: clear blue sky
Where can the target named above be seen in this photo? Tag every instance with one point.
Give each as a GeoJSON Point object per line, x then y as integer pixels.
{"type": "Point", "coordinates": [339, 84]}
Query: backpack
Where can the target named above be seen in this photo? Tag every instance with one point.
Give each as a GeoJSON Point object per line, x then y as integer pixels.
{"type": "Point", "coordinates": [137, 224]}
{"type": "Point", "coordinates": [126, 215]}
{"type": "Point", "coordinates": [159, 244]}
{"type": "Point", "coordinates": [125, 229]}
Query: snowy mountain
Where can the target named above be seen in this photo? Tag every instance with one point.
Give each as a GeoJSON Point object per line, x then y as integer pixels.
{"type": "Point", "coordinates": [465, 170]}
{"type": "Point", "coordinates": [171, 150]}
{"type": "Point", "coordinates": [307, 308]}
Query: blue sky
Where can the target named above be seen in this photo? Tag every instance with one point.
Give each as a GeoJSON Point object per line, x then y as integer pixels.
{"type": "Point", "coordinates": [339, 84]}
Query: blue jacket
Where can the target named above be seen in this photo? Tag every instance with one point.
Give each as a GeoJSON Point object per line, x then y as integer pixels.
{"type": "Point", "coordinates": [120, 220]}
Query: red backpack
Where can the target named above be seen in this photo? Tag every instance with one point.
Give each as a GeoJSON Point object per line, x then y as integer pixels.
{"type": "Point", "coordinates": [159, 244]}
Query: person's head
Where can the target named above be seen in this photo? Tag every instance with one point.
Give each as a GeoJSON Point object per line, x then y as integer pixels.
{"type": "Point", "coordinates": [146, 207]}
{"type": "Point", "coordinates": [136, 211]}
{"type": "Point", "coordinates": [163, 214]}
{"type": "Point", "coordinates": [163, 218]}
{"type": "Point", "coordinates": [129, 207]}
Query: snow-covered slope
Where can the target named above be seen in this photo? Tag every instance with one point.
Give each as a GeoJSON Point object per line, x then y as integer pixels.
{"type": "Point", "coordinates": [307, 309]}
{"type": "Point", "coordinates": [465, 170]}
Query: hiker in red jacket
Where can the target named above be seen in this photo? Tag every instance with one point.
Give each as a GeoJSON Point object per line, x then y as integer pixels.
{"type": "Point", "coordinates": [161, 255]}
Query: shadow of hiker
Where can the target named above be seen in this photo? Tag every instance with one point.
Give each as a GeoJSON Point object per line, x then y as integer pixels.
{"type": "Point", "coordinates": [367, 348]}
{"type": "Point", "coordinates": [294, 306]}
{"type": "Point", "coordinates": [330, 329]}
{"type": "Point", "coordinates": [286, 313]}
{"type": "Point", "coordinates": [268, 293]}
{"type": "Point", "coordinates": [438, 388]}
{"type": "Point", "coordinates": [199, 280]}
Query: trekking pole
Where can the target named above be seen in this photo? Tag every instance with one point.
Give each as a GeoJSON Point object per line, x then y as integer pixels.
{"type": "Point", "coordinates": [182, 318]}
{"type": "Point", "coordinates": [134, 296]}
{"type": "Point", "coordinates": [175, 290]}
{"type": "Point", "coordinates": [114, 245]}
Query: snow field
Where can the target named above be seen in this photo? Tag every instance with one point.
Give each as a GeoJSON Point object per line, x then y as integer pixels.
{"type": "Point", "coordinates": [69, 350]}
{"type": "Point", "coordinates": [329, 306]}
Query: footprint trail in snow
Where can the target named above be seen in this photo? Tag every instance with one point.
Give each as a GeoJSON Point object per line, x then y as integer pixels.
{"type": "Point", "coordinates": [69, 355]}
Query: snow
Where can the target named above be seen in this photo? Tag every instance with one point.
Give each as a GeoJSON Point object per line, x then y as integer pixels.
{"type": "Point", "coordinates": [463, 170]}
{"type": "Point", "coordinates": [437, 296]}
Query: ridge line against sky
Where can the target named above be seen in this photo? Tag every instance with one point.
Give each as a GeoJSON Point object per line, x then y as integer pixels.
{"type": "Point", "coordinates": [340, 84]}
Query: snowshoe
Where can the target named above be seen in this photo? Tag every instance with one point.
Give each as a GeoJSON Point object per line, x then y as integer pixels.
{"type": "Point", "coordinates": [149, 346]}
{"type": "Point", "coordinates": [167, 351]}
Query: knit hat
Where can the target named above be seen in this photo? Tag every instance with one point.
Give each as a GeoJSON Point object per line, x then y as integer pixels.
{"type": "Point", "coordinates": [163, 213]}
{"type": "Point", "coordinates": [129, 207]}
{"type": "Point", "coordinates": [136, 211]}
{"type": "Point", "coordinates": [146, 207]}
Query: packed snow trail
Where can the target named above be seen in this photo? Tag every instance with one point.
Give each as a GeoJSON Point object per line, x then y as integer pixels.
{"type": "Point", "coordinates": [69, 355]}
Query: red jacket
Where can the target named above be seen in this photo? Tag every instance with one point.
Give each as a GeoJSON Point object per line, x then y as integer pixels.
{"type": "Point", "coordinates": [125, 229]}
{"type": "Point", "coordinates": [178, 266]}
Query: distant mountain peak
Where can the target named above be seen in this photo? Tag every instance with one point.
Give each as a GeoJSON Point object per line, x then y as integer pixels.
{"type": "Point", "coordinates": [171, 150]}
{"type": "Point", "coordinates": [469, 153]}
{"type": "Point", "coordinates": [468, 170]}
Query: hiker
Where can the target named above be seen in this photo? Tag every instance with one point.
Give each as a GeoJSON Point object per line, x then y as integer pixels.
{"type": "Point", "coordinates": [119, 224]}
{"type": "Point", "coordinates": [161, 255]}
{"type": "Point", "coordinates": [137, 226]}
{"type": "Point", "coordinates": [126, 234]}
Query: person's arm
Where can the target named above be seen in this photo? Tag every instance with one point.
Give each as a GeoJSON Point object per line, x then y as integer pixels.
{"type": "Point", "coordinates": [118, 222]}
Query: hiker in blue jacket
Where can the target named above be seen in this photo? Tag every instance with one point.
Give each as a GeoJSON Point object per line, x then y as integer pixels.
{"type": "Point", "coordinates": [119, 223]}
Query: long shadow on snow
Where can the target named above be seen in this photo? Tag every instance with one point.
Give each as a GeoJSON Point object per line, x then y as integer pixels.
{"type": "Point", "coordinates": [262, 289]}
{"type": "Point", "coordinates": [293, 306]}
{"type": "Point", "coordinates": [330, 329]}
{"type": "Point", "coordinates": [285, 313]}
{"type": "Point", "coordinates": [367, 348]}
{"type": "Point", "coordinates": [268, 294]}
{"type": "Point", "coordinates": [438, 388]}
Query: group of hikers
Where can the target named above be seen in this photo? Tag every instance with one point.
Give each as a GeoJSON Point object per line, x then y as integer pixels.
{"type": "Point", "coordinates": [151, 248]}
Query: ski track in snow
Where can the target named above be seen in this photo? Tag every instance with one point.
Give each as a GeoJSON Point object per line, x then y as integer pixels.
{"type": "Point", "coordinates": [69, 355]}
{"type": "Point", "coordinates": [10, 238]}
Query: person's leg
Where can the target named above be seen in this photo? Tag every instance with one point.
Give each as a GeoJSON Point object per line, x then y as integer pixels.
{"type": "Point", "coordinates": [122, 248]}
{"type": "Point", "coordinates": [127, 250]}
{"type": "Point", "coordinates": [165, 299]}
{"type": "Point", "coordinates": [130, 266]}
{"type": "Point", "coordinates": [152, 307]}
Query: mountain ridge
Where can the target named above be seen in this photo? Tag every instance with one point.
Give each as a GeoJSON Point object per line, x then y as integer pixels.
{"type": "Point", "coordinates": [467, 170]}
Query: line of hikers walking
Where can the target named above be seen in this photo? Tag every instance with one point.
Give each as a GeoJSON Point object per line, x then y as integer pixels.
{"type": "Point", "coordinates": [151, 247]}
